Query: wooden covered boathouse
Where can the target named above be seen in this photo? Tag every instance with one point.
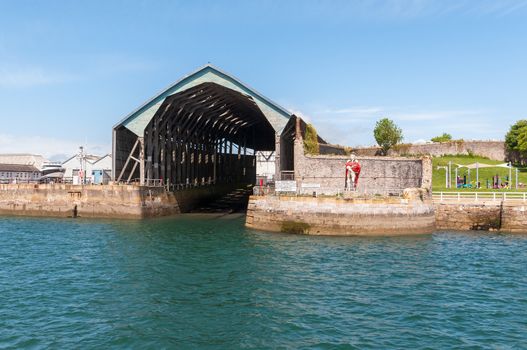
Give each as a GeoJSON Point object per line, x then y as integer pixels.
{"type": "Point", "coordinates": [202, 130]}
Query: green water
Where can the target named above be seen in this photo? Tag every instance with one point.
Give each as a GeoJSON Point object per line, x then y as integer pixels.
{"type": "Point", "coordinates": [208, 283]}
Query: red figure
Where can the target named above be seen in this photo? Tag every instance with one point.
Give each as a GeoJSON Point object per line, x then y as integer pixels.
{"type": "Point", "coordinates": [352, 173]}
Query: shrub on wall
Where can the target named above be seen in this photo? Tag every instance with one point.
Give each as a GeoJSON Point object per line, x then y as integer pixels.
{"type": "Point", "coordinates": [311, 140]}
{"type": "Point", "coordinates": [442, 138]}
{"type": "Point", "coordinates": [402, 149]}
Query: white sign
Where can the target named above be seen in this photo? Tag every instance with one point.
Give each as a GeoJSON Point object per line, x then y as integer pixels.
{"type": "Point", "coordinates": [285, 186]}
{"type": "Point", "coordinates": [308, 185]}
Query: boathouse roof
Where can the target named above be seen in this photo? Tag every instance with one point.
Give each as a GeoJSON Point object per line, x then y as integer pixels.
{"type": "Point", "coordinates": [208, 76]}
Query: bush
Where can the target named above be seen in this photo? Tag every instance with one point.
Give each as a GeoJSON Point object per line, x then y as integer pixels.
{"type": "Point", "coordinates": [442, 138]}
{"type": "Point", "coordinates": [311, 140]}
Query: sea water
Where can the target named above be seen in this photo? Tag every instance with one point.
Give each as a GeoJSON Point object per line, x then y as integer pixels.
{"type": "Point", "coordinates": [206, 282]}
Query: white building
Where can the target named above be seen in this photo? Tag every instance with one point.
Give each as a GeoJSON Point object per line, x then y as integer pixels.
{"type": "Point", "coordinates": [88, 169]}
{"type": "Point", "coordinates": [102, 170]}
{"type": "Point", "coordinates": [18, 173]}
{"type": "Point", "coordinates": [23, 159]}
{"type": "Point", "coordinates": [265, 166]}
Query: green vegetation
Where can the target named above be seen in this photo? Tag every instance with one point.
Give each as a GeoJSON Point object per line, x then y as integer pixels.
{"type": "Point", "coordinates": [442, 138]}
{"type": "Point", "coordinates": [311, 140]}
{"type": "Point", "coordinates": [387, 134]}
{"type": "Point", "coordinates": [295, 227]}
{"type": "Point", "coordinates": [402, 149]}
{"type": "Point", "coordinates": [438, 175]}
{"type": "Point", "coordinates": [516, 142]}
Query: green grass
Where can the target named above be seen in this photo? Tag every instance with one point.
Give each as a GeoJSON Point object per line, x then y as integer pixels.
{"type": "Point", "coordinates": [438, 178]}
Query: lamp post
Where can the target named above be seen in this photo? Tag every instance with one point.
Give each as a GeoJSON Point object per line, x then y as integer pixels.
{"type": "Point", "coordinates": [449, 174]}
{"type": "Point", "coordinates": [446, 174]}
{"type": "Point", "coordinates": [82, 160]}
{"type": "Point", "coordinates": [477, 174]}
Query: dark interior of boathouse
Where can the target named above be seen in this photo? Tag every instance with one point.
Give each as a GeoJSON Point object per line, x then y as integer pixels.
{"type": "Point", "coordinates": [203, 131]}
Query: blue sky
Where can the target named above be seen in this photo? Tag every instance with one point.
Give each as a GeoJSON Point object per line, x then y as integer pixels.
{"type": "Point", "coordinates": [69, 70]}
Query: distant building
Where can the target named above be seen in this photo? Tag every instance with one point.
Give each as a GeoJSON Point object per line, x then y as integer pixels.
{"type": "Point", "coordinates": [102, 170]}
{"type": "Point", "coordinates": [88, 169]}
{"type": "Point", "coordinates": [18, 173]}
{"type": "Point", "coordinates": [265, 166]}
{"type": "Point", "coordinates": [36, 160]}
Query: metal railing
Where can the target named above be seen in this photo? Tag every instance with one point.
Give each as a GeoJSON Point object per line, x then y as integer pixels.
{"type": "Point", "coordinates": [287, 175]}
{"type": "Point", "coordinates": [19, 181]}
{"type": "Point", "coordinates": [479, 196]}
{"type": "Point", "coordinates": [148, 182]}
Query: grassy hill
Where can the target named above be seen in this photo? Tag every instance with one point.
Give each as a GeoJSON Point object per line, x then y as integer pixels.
{"type": "Point", "coordinates": [438, 178]}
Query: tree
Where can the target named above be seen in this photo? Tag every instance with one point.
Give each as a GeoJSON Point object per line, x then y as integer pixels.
{"type": "Point", "coordinates": [311, 140]}
{"type": "Point", "coordinates": [442, 138]}
{"type": "Point", "coordinates": [511, 139]}
{"type": "Point", "coordinates": [387, 134]}
{"type": "Point", "coordinates": [522, 140]}
{"type": "Point", "coordinates": [516, 141]}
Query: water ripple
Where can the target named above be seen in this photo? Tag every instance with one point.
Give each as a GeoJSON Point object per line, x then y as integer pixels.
{"type": "Point", "coordinates": [201, 282]}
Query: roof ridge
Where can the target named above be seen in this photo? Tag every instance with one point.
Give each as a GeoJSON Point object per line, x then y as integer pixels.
{"type": "Point", "coordinates": [218, 71]}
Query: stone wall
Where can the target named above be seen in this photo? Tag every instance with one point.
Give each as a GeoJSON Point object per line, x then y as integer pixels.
{"type": "Point", "coordinates": [112, 201]}
{"type": "Point", "coordinates": [333, 216]}
{"type": "Point", "coordinates": [494, 150]}
{"type": "Point", "coordinates": [381, 216]}
{"type": "Point", "coordinates": [468, 216]}
{"type": "Point", "coordinates": [514, 217]}
{"type": "Point", "coordinates": [491, 215]}
{"type": "Point", "coordinates": [326, 174]}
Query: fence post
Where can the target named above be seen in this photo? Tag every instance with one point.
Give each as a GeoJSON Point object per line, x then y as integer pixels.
{"type": "Point", "coordinates": [493, 196]}
{"type": "Point", "coordinates": [458, 196]}
{"type": "Point", "coordinates": [524, 196]}
{"type": "Point", "coordinates": [441, 196]}
{"type": "Point", "coordinates": [504, 196]}
{"type": "Point", "coordinates": [476, 197]}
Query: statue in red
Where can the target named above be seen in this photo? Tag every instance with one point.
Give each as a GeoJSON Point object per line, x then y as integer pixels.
{"type": "Point", "coordinates": [352, 173]}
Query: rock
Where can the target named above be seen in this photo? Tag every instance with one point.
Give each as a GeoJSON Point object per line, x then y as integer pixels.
{"type": "Point", "coordinates": [415, 193]}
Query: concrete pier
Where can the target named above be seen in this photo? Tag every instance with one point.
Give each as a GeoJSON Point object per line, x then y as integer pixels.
{"type": "Point", "coordinates": [101, 201]}
{"type": "Point", "coordinates": [337, 216]}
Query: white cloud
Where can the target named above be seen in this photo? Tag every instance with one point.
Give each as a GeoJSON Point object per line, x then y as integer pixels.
{"type": "Point", "coordinates": [12, 76]}
{"type": "Point", "coordinates": [47, 146]}
{"type": "Point", "coordinates": [354, 125]}
{"type": "Point", "coordinates": [16, 75]}
{"type": "Point", "coordinates": [355, 110]}
{"type": "Point", "coordinates": [435, 115]}
{"type": "Point", "coordinates": [302, 115]}
{"type": "Point", "coordinates": [396, 113]}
